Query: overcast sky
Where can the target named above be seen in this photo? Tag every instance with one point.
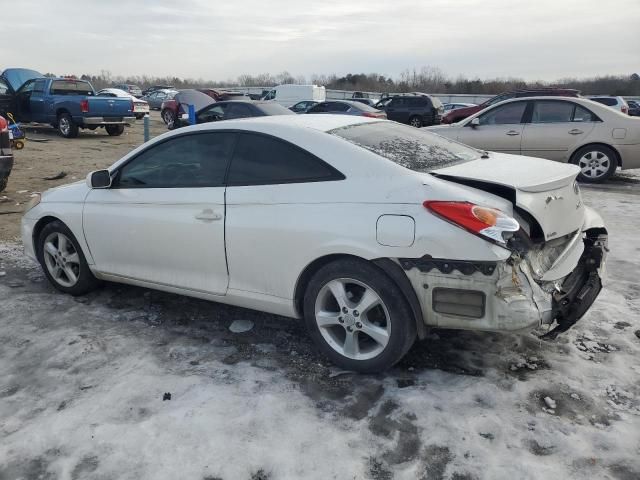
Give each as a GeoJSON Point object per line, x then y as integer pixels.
{"type": "Point", "coordinates": [217, 40]}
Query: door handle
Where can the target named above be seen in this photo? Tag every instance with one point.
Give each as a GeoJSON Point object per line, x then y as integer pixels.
{"type": "Point", "coordinates": [575, 131]}
{"type": "Point", "coordinates": [511, 133]}
{"type": "Point", "coordinates": [208, 215]}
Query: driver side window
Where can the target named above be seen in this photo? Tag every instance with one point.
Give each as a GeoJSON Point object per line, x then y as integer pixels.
{"type": "Point", "coordinates": [188, 161]}
{"type": "Point", "coordinates": [510, 113]}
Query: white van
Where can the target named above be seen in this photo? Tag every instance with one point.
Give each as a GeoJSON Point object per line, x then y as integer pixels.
{"type": "Point", "coordinates": [289, 94]}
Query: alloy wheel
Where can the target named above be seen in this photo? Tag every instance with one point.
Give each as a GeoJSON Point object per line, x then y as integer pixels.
{"type": "Point", "coordinates": [168, 118]}
{"type": "Point", "coordinates": [64, 126]}
{"type": "Point", "coordinates": [62, 259]}
{"type": "Point", "coordinates": [415, 122]}
{"type": "Point", "coordinates": [594, 164]}
{"type": "Point", "coordinates": [352, 319]}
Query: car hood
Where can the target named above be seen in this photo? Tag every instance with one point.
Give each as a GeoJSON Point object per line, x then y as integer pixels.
{"type": "Point", "coordinates": [16, 77]}
{"type": "Point", "coordinates": [546, 190]}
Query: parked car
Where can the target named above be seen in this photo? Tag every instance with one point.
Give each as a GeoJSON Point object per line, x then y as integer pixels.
{"type": "Point", "coordinates": [6, 157]}
{"type": "Point", "coordinates": [417, 110]}
{"type": "Point", "coordinates": [462, 113]}
{"type": "Point", "coordinates": [131, 89]}
{"type": "Point", "coordinates": [69, 104]}
{"type": "Point", "coordinates": [288, 94]}
{"type": "Point", "coordinates": [140, 106]}
{"type": "Point", "coordinates": [347, 107]}
{"type": "Point", "coordinates": [155, 98]}
{"type": "Point", "coordinates": [447, 107]}
{"type": "Point", "coordinates": [369, 230]}
{"type": "Point", "coordinates": [634, 108]}
{"type": "Point", "coordinates": [617, 103]}
{"type": "Point", "coordinates": [154, 88]}
{"type": "Point", "coordinates": [303, 106]}
{"type": "Point", "coordinates": [173, 108]}
{"type": "Point", "coordinates": [231, 109]}
{"type": "Point", "coordinates": [574, 130]}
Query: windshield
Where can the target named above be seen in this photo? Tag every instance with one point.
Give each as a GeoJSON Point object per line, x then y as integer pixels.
{"type": "Point", "coordinates": [18, 76]}
{"type": "Point", "coordinates": [412, 148]}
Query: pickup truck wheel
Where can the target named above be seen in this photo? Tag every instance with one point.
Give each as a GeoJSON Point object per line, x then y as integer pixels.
{"type": "Point", "coordinates": [115, 130]}
{"type": "Point", "coordinates": [66, 126]}
{"type": "Point", "coordinates": [3, 183]}
{"type": "Point", "coordinates": [169, 118]}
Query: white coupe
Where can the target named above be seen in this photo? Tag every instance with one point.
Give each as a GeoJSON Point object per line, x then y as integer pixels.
{"type": "Point", "coordinates": [371, 231]}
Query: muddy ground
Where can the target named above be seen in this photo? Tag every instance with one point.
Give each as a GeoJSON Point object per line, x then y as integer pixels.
{"type": "Point", "coordinates": [137, 384]}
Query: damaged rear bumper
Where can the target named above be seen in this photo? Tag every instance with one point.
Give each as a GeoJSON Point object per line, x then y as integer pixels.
{"type": "Point", "coordinates": [513, 294]}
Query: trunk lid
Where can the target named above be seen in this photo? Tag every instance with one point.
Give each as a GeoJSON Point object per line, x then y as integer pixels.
{"type": "Point", "coordinates": [546, 190]}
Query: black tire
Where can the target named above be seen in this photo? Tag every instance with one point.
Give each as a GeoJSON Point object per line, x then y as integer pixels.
{"type": "Point", "coordinates": [402, 323]}
{"type": "Point", "coordinates": [169, 118]}
{"type": "Point", "coordinates": [603, 169]}
{"type": "Point", "coordinates": [139, 116]}
{"type": "Point", "coordinates": [3, 182]}
{"type": "Point", "coordinates": [66, 126]}
{"type": "Point", "coordinates": [85, 280]}
{"type": "Point", "coordinates": [114, 130]}
{"type": "Point", "coordinates": [415, 121]}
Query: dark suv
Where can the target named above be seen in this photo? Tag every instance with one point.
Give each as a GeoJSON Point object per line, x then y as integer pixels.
{"type": "Point", "coordinates": [415, 110]}
{"type": "Point", "coordinates": [461, 113]}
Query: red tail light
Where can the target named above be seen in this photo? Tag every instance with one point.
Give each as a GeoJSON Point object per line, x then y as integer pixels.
{"type": "Point", "coordinates": [3, 124]}
{"type": "Point", "coordinates": [374, 114]}
{"type": "Point", "coordinates": [84, 106]}
{"type": "Point", "coordinates": [484, 221]}
{"type": "Point", "coordinates": [625, 109]}
{"type": "Point", "coordinates": [131, 108]}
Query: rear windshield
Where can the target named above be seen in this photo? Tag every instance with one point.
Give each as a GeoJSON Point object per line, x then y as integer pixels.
{"type": "Point", "coordinates": [71, 87]}
{"type": "Point", "coordinates": [362, 107]}
{"type": "Point", "coordinates": [606, 101]}
{"type": "Point", "coordinates": [412, 148]}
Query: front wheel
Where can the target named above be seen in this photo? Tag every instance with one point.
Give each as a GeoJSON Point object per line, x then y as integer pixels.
{"type": "Point", "coordinates": [597, 163]}
{"type": "Point", "coordinates": [66, 126]}
{"type": "Point", "coordinates": [358, 317]}
{"type": "Point", "coordinates": [115, 130]}
{"type": "Point", "coordinates": [62, 260]}
{"type": "Point", "coordinates": [415, 121]}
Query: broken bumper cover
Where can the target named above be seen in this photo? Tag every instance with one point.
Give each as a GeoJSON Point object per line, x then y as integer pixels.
{"type": "Point", "coordinates": [507, 295]}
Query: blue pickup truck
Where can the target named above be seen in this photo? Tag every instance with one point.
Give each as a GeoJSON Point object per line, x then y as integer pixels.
{"type": "Point", "coordinates": [67, 104]}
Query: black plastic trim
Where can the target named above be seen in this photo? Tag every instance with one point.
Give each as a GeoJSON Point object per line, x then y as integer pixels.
{"type": "Point", "coordinates": [446, 266]}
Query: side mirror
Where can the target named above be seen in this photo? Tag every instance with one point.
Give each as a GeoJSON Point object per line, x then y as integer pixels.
{"type": "Point", "coordinates": [474, 123]}
{"type": "Point", "coordinates": [99, 179]}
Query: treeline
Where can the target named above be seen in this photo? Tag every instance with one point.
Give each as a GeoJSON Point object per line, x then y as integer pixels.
{"type": "Point", "coordinates": [426, 79]}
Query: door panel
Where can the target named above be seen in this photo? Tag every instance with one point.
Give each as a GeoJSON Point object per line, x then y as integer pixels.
{"type": "Point", "coordinates": [495, 138]}
{"type": "Point", "coordinates": [556, 127]}
{"type": "Point", "coordinates": [171, 236]}
{"type": "Point", "coordinates": [163, 219]}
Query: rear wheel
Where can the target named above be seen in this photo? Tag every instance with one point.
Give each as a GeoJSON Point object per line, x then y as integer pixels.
{"type": "Point", "coordinates": [62, 260]}
{"type": "Point", "coordinates": [415, 121]}
{"type": "Point", "coordinates": [66, 126]}
{"type": "Point", "coordinates": [115, 130]}
{"type": "Point", "coordinates": [358, 317]}
{"type": "Point", "coordinates": [169, 118]}
{"type": "Point", "coordinates": [597, 163]}
{"type": "Point", "coordinates": [3, 183]}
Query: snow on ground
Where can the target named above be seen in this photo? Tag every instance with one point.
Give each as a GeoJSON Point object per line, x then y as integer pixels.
{"type": "Point", "coordinates": [82, 383]}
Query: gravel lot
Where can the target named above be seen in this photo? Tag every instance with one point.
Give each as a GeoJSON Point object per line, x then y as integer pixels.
{"type": "Point", "coordinates": [85, 382]}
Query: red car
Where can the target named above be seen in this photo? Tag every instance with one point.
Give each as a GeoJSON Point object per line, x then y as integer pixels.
{"type": "Point", "coordinates": [461, 113]}
{"type": "Point", "coordinates": [172, 109]}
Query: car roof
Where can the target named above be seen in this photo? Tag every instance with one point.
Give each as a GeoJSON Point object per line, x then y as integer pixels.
{"type": "Point", "coordinates": [322, 123]}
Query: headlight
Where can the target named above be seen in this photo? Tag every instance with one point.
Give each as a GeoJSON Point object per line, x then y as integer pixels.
{"type": "Point", "coordinates": [35, 200]}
